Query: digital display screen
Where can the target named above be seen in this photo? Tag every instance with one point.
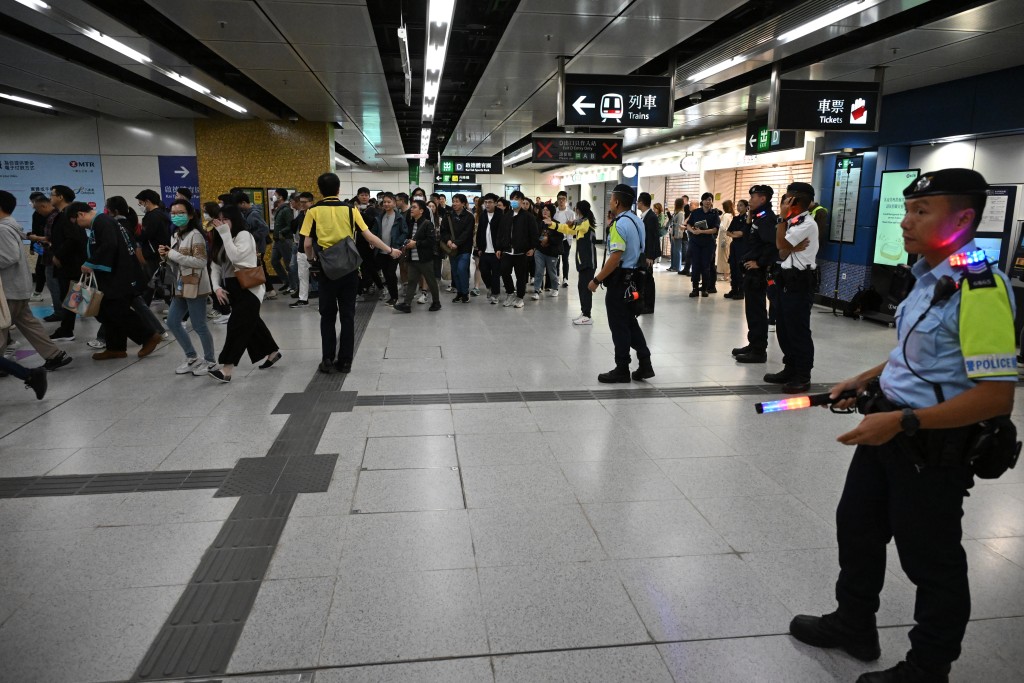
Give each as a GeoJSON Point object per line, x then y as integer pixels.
{"type": "Point", "coordinates": [992, 246]}
{"type": "Point", "coordinates": [889, 249]}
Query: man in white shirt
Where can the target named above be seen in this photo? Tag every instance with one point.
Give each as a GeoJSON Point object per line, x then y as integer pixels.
{"type": "Point", "coordinates": [565, 215]}
{"type": "Point", "coordinates": [797, 240]}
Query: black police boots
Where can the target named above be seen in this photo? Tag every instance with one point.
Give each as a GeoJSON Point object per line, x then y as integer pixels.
{"type": "Point", "coordinates": [620, 375]}
{"type": "Point", "coordinates": [904, 672]}
{"type": "Point", "coordinates": [694, 294]}
{"type": "Point", "coordinates": [645, 371]}
{"type": "Point", "coordinates": [752, 357]}
{"type": "Point", "coordinates": [780, 377]}
{"type": "Point", "coordinates": [830, 631]}
{"type": "Point", "coordinates": [797, 384]}
{"type": "Point", "coordinates": [742, 349]}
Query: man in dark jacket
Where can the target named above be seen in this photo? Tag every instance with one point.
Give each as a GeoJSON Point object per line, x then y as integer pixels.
{"type": "Point", "coordinates": [460, 222]}
{"type": "Point", "coordinates": [67, 252]}
{"type": "Point", "coordinates": [519, 235]}
{"type": "Point", "coordinates": [391, 228]}
{"type": "Point", "coordinates": [110, 256]}
{"type": "Point", "coordinates": [156, 231]}
{"type": "Point", "coordinates": [703, 225]}
{"type": "Point", "coordinates": [487, 236]}
{"type": "Point", "coordinates": [652, 245]}
{"type": "Point", "coordinates": [760, 255]}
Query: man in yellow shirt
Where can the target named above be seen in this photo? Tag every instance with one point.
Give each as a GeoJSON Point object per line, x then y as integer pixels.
{"type": "Point", "coordinates": [327, 223]}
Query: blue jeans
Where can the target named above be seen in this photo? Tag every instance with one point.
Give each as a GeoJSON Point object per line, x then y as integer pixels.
{"type": "Point", "coordinates": [677, 255]}
{"type": "Point", "coordinates": [460, 272]}
{"type": "Point", "coordinates": [54, 288]}
{"type": "Point", "coordinates": [196, 309]}
{"type": "Point", "coordinates": [541, 263]}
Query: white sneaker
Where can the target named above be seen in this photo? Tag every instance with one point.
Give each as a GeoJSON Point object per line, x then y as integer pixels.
{"type": "Point", "coordinates": [223, 319]}
{"type": "Point", "coordinates": [188, 366]}
{"type": "Point", "coordinates": [272, 294]}
{"type": "Point", "coordinates": [535, 296]}
{"type": "Point", "coordinates": [554, 292]}
{"type": "Point", "coordinates": [97, 344]}
{"type": "Point", "coordinates": [771, 328]}
{"type": "Point", "coordinates": [213, 314]}
{"type": "Point", "coordinates": [509, 300]}
{"type": "Point", "coordinates": [202, 368]}
{"type": "Point", "coordinates": [519, 303]}
{"type": "Point", "coordinates": [582, 320]}
{"type": "Point", "coordinates": [422, 298]}
{"type": "Point", "coordinates": [565, 282]}
{"type": "Point", "coordinates": [165, 336]}
{"type": "Point", "coordinates": [36, 297]}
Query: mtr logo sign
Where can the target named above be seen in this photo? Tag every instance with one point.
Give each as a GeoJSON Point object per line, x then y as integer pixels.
{"type": "Point", "coordinates": [82, 164]}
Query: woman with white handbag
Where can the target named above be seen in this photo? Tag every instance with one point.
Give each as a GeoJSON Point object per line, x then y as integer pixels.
{"type": "Point", "coordinates": [186, 258]}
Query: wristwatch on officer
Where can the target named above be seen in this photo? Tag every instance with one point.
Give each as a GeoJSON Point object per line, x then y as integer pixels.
{"type": "Point", "coordinates": [909, 422]}
{"type": "Point", "coordinates": [596, 281]}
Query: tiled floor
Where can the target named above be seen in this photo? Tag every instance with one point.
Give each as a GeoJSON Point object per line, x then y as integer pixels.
{"type": "Point", "coordinates": [598, 540]}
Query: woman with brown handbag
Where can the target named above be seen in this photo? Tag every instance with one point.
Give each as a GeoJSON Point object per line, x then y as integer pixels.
{"type": "Point", "coordinates": [186, 259]}
{"type": "Point", "coordinates": [237, 277]}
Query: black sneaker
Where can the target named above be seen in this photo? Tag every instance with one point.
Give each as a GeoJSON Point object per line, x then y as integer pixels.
{"type": "Point", "coordinates": [741, 350]}
{"type": "Point", "coordinates": [829, 631]}
{"type": "Point", "coordinates": [298, 304]}
{"type": "Point", "coordinates": [326, 367]}
{"type": "Point", "coordinates": [53, 318]}
{"type": "Point", "coordinates": [62, 336]}
{"type": "Point", "coordinates": [436, 306]}
{"type": "Point", "coordinates": [704, 293]}
{"type": "Point", "coordinates": [219, 376]}
{"type": "Point", "coordinates": [457, 299]}
{"type": "Point", "coordinates": [403, 308]}
{"type": "Point", "coordinates": [58, 361]}
{"type": "Point", "coordinates": [904, 672]}
{"type": "Point", "coordinates": [344, 366]}
{"type": "Point", "coordinates": [797, 384]}
{"type": "Point", "coordinates": [645, 371]}
{"type": "Point", "coordinates": [694, 294]}
{"type": "Point", "coordinates": [685, 271]}
{"type": "Point", "coordinates": [752, 357]}
{"type": "Point", "coordinates": [780, 377]}
{"type": "Point", "coordinates": [390, 303]}
{"type": "Point", "coordinates": [712, 290]}
{"type": "Point", "coordinates": [37, 382]}
{"type": "Point", "coordinates": [620, 375]}
{"type": "Point", "coordinates": [295, 295]}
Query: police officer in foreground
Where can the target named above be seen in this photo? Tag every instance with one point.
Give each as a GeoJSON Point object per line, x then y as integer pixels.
{"type": "Point", "coordinates": [620, 274]}
{"type": "Point", "coordinates": [796, 238]}
{"type": "Point", "coordinates": [761, 254]}
{"type": "Point", "coordinates": [953, 367]}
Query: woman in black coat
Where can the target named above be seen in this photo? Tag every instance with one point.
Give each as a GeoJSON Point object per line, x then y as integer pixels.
{"type": "Point", "coordinates": [420, 254]}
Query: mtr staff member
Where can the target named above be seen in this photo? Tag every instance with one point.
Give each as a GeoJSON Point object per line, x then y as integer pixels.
{"type": "Point", "coordinates": [953, 367]}
{"type": "Point", "coordinates": [796, 238]}
{"type": "Point", "coordinates": [760, 254]}
{"type": "Point", "coordinates": [626, 240]}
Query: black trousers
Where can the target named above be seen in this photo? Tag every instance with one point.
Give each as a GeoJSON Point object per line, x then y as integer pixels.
{"type": "Point", "coordinates": [368, 274]}
{"type": "Point", "coordinates": [517, 263]}
{"type": "Point", "coordinates": [566, 248]}
{"type": "Point", "coordinates": [121, 323]}
{"type": "Point", "coordinates": [67, 321]}
{"type": "Point", "coordinates": [794, 330]}
{"type": "Point", "coordinates": [490, 272]}
{"type": "Point", "coordinates": [886, 497]}
{"type": "Point", "coordinates": [626, 332]}
{"type": "Point", "coordinates": [756, 310]}
{"type": "Point", "coordinates": [338, 298]}
{"type": "Point", "coordinates": [246, 330]}
{"type": "Point", "coordinates": [586, 296]}
{"type": "Point", "coordinates": [649, 291]}
{"type": "Point", "coordinates": [735, 268]}
{"type": "Point", "coordinates": [702, 257]}
{"type": "Point", "coordinates": [389, 267]}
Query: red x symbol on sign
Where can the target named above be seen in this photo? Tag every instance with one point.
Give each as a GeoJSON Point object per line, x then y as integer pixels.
{"type": "Point", "coordinates": [544, 149]}
{"type": "Point", "coordinates": [609, 150]}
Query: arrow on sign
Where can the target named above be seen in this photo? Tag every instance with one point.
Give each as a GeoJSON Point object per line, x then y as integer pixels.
{"type": "Point", "coordinates": [753, 140]}
{"type": "Point", "coordinates": [581, 105]}
{"type": "Point", "coordinates": [183, 172]}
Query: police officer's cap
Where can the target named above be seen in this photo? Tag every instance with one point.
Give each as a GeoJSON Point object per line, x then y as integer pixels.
{"type": "Point", "coordinates": [766, 190]}
{"type": "Point", "coordinates": [800, 188]}
{"type": "Point", "coordinates": [624, 189]}
{"type": "Point", "coordinates": [955, 181]}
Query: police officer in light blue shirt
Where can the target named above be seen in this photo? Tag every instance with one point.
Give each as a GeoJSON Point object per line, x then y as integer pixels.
{"type": "Point", "coordinates": [954, 366]}
{"type": "Point", "coordinates": [620, 272]}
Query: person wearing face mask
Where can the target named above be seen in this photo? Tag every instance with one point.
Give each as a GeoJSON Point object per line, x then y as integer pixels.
{"type": "Point", "coordinates": [519, 236]}
{"type": "Point", "coordinates": [186, 257]}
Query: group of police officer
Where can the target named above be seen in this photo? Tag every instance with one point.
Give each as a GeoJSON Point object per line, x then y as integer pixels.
{"type": "Point", "coordinates": [950, 377]}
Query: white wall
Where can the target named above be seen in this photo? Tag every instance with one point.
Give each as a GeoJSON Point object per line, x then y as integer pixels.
{"type": "Point", "coordinates": [128, 149]}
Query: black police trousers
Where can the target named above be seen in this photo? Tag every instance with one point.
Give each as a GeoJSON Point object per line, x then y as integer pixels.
{"type": "Point", "coordinates": [794, 330]}
{"type": "Point", "coordinates": [626, 332]}
{"type": "Point", "coordinates": [886, 497]}
{"type": "Point", "coordinates": [756, 309]}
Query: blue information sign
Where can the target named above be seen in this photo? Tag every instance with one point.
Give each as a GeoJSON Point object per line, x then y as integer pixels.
{"type": "Point", "coordinates": [178, 172]}
{"type": "Point", "coordinates": [23, 174]}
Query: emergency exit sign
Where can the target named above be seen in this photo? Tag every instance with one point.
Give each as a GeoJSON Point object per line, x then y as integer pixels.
{"type": "Point", "coordinates": [760, 139]}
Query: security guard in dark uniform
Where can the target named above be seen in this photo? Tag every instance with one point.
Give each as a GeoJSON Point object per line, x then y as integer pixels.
{"type": "Point", "coordinates": [936, 419]}
{"type": "Point", "coordinates": [796, 278]}
{"type": "Point", "coordinates": [624, 274]}
{"type": "Point", "coordinates": [761, 254]}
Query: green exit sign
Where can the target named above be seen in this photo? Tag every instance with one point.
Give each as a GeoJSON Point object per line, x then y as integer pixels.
{"type": "Point", "coordinates": [447, 166]}
{"type": "Point", "coordinates": [764, 140]}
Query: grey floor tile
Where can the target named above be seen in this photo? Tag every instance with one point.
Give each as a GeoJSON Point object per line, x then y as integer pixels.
{"type": "Point", "coordinates": [104, 459]}
{"type": "Point", "coordinates": [557, 606]}
{"type": "Point", "coordinates": [771, 659]}
{"type": "Point", "coordinates": [83, 636]}
{"type": "Point", "coordinates": [337, 499]}
{"type": "Point", "coordinates": [17, 461]}
{"type": "Point", "coordinates": [406, 452]}
{"type": "Point", "coordinates": [408, 490]}
{"type": "Point", "coordinates": [593, 445]}
{"type": "Point", "coordinates": [990, 512]}
{"type": "Point", "coordinates": [141, 432]}
{"type": "Point", "coordinates": [10, 602]}
{"type": "Point", "coordinates": [1010, 548]}
{"type": "Point", "coordinates": [662, 528]}
{"type": "Point", "coordinates": [716, 477]}
{"type": "Point", "coordinates": [411, 422]}
{"type": "Point", "coordinates": [997, 585]}
{"type": "Point", "coordinates": [169, 507]}
{"type": "Point", "coordinates": [692, 441]}
{"type": "Point", "coordinates": [1004, 638]}
{"type": "Point", "coordinates": [557, 415]}
{"type": "Point", "coordinates": [617, 481]}
{"type": "Point", "coordinates": [406, 542]}
{"type": "Point", "coordinates": [608, 665]}
{"type": "Point", "coordinates": [805, 581]}
{"type": "Point", "coordinates": [285, 627]}
{"type": "Point", "coordinates": [501, 420]}
{"type": "Point", "coordinates": [378, 618]}
{"type": "Point", "coordinates": [476, 450]}
{"type": "Point", "coordinates": [72, 434]}
{"type": "Point", "coordinates": [194, 453]}
{"type": "Point", "coordinates": [751, 523]}
{"type": "Point", "coordinates": [533, 535]}
{"type": "Point", "coordinates": [308, 547]}
{"type": "Point", "coordinates": [805, 472]}
{"type": "Point", "coordinates": [516, 485]}
{"type": "Point", "coordinates": [475, 670]}
{"type": "Point", "coordinates": [58, 512]}
{"type": "Point", "coordinates": [688, 598]}
{"type": "Point", "coordinates": [404, 382]}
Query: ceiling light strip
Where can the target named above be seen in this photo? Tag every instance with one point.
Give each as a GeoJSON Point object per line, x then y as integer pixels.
{"type": "Point", "coordinates": [25, 100]}
{"type": "Point", "coordinates": [824, 20]}
{"type": "Point", "coordinates": [130, 52]}
{"type": "Point", "coordinates": [439, 29]}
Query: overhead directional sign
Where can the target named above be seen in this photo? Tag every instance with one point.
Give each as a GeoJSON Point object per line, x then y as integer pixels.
{"type": "Point", "coordinates": [569, 149]}
{"type": "Point", "coordinates": [462, 165]}
{"type": "Point", "coordinates": [611, 101]}
{"type": "Point", "coordinates": [761, 139]}
{"type": "Point", "coordinates": [825, 105]}
{"type": "Point", "coordinates": [454, 177]}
